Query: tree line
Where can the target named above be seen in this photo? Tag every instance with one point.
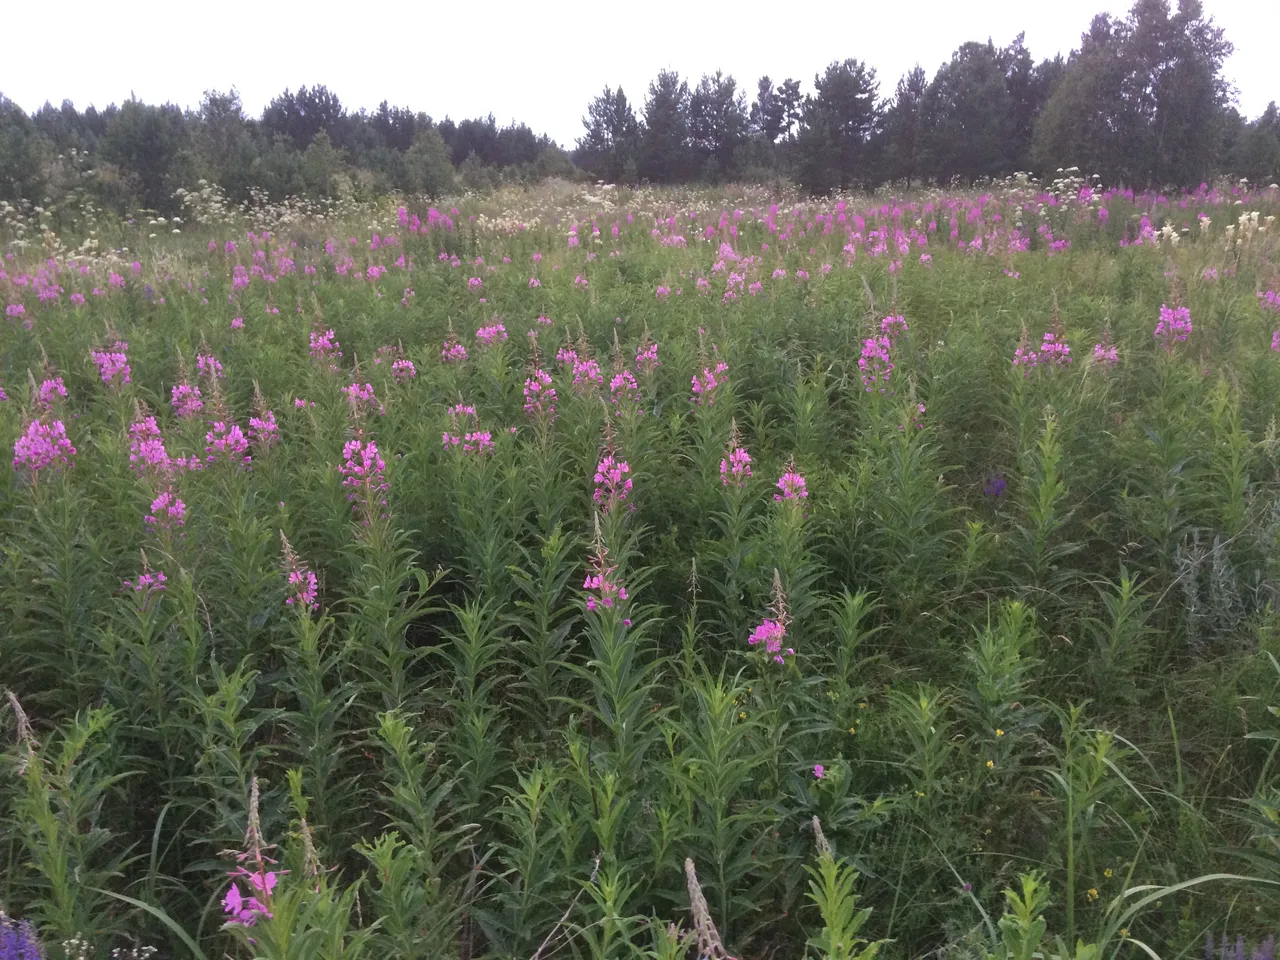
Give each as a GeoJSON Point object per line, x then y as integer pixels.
{"type": "Point", "coordinates": [1142, 101]}
{"type": "Point", "coordinates": [306, 143]}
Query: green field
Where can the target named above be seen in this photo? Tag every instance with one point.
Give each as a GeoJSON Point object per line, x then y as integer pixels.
{"type": "Point", "coordinates": [410, 583]}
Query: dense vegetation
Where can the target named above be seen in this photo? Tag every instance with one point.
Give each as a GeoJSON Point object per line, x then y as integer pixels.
{"type": "Point", "coordinates": [477, 586]}
{"type": "Point", "coordinates": [1142, 101]}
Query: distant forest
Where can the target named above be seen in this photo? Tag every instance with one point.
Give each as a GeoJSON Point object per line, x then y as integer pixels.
{"type": "Point", "coordinates": [1142, 101]}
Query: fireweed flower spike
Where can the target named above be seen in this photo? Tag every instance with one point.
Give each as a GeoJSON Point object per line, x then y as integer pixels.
{"type": "Point", "coordinates": [325, 349]}
{"type": "Point", "coordinates": [362, 401]}
{"type": "Point", "coordinates": [1105, 354]}
{"type": "Point", "coordinates": [226, 442]}
{"type": "Point", "coordinates": [492, 334]}
{"type": "Point", "coordinates": [770, 633]}
{"type": "Point", "coordinates": [791, 485]}
{"type": "Point", "coordinates": [604, 592]}
{"type": "Point", "coordinates": [50, 392]}
{"type": "Point", "coordinates": [168, 513]}
{"type": "Point", "coordinates": [113, 364]}
{"type": "Point", "coordinates": [244, 909]}
{"type": "Point", "coordinates": [186, 401]}
{"type": "Point", "coordinates": [705, 383]}
{"type": "Point", "coordinates": [735, 467]}
{"type": "Point", "coordinates": [471, 441]}
{"type": "Point", "coordinates": [540, 396]}
{"type": "Point", "coordinates": [303, 585]}
{"type": "Point", "coordinates": [42, 446]}
{"type": "Point", "coordinates": [209, 366]}
{"type": "Point", "coordinates": [1025, 356]}
{"type": "Point", "coordinates": [875, 364]}
{"type": "Point", "coordinates": [453, 351]}
{"type": "Point", "coordinates": [612, 483]}
{"type": "Point", "coordinates": [147, 454]}
{"type": "Point", "coordinates": [364, 478]}
{"type": "Point", "coordinates": [1174, 326]}
{"type": "Point", "coordinates": [893, 327]}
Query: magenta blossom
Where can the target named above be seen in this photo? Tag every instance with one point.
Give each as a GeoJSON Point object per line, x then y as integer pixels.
{"type": "Point", "coordinates": [41, 446]}
{"type": "Point", "coordinates": [227, 442]}
{"type": "Point", "coordinates": [1174, 326]}
{"type": "Point", "coordinates": [540, 396]}
{"type": "Point", "coordinates": [612, 483]}
{"type": "Point", "coordinates": [705, 383]}
{"type": "Point", "coordinates": [736, 468]}
{"type": "Point", "coordinates": [769, 634]}
{"type": "Point", "coordinates": [874, 363]}
{"type": "Point", "coordinates": [185, 399]}
{"type": "Point", "coordinates": [264, 432]}
{"type": "Point", "coordinates": [146, 448]}
{"type": "Point", "coordinates": [492, 334]}
{"type": "Point", "coordinates": [167, 512]}
{"type": "Point", "coordinates": [113, 365]}
{"type": "Point", "coordinates": [364, 476]}
{"type": "Point", "coordinates": [453, 351]}
{"type": "Point", "coordinates": [792, 486]}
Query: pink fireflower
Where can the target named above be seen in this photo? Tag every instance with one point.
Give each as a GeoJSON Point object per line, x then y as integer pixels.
{"type": "Point", "coordinates": [607, 592]}
{"type": "Point", "coordinates": [612, 483]}
{"type": "Point", "coordinates": [893, 327]}
{"type": "Point", "coordinates": [226, 442]}
{"type": "Point", "coordinates": [50, 391]}
{"type": "Point", "coordinates": [303, 585]}
{"type": "Point", "coordinates": [647, 357]}
{"type": "Point", "coordinates": [1108, 355]}
{"type": "Point", "coordinates": [1054, 349]}
{"type": "Point", "coordinates": [245, 910]}
{"type": "Point", "coordinates": [147, 585]}
{"type": "Point", "coordinates": [623, 390]}
{"type": "Point", "coordinates": [770, 633]}
{"type": "Point", "coordinates": [736, 468]}
{"type": "Point", "coordinates": [792, 486]}
{"type": "Point", "coordinates": [113, 365]}
{"type": "Point", "coordinates": [453, 351]}
{"type": "Point", "coordinates": [167, 512]}
{"type": "Point", "coordinates": [874, 363]}
{"type": "Point", "coordinates": [264, 432]}
{"type": "Point", "coordinates": [540, 396]}
{"type": "Point", "coordinates": [146, 448]}
{"type": "Point", "coordinates": [208, 366]}
{"type": "Point", "coordinates": [705, 383]}
{"type": "Point", "coordinates": [364, 477]}
{"type": "Point", "coordinates": [492, 334]}
{"type": "Point", "coordinates": [185, 399]}
{"type": "Point", "coordinates": [325, 348]}
{"type": "Point", "coordinates": [402, 370]}
{"type": "Point", "coordinates": [586, 374]}
{"type": "Point", "coordinates": [362, 400]}
{"type": "Point", "coordinates": [1174, 326]}
{"type": "Point", "coordinates": [42, 445]}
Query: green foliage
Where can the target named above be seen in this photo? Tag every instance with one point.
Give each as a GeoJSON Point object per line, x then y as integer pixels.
{"type": "Point", "coordinates": [1018, 628]}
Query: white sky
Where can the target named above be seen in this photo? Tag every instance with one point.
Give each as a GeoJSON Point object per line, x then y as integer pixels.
{"type": "Point", "coordinates": [537, 63]}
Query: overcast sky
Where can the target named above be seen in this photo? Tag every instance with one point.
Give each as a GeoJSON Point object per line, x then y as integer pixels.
{"type": "Point", "coordinates": [530, 62]}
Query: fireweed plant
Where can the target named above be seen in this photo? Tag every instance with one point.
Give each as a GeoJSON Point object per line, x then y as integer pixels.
{"type": "Point", "coordinates": [553, 574]}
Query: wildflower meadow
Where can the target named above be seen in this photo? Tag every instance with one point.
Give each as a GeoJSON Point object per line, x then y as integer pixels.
{"type": "Point", "coordinates": [621, 573]}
